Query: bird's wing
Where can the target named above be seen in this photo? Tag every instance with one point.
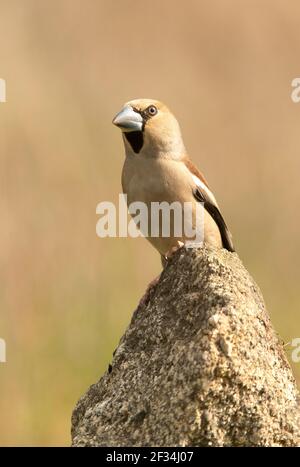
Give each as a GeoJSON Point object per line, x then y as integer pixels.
{"type": "Point", "coordinates": [203, 194]}
{"type": "Point", "coordinates": [194, 170]}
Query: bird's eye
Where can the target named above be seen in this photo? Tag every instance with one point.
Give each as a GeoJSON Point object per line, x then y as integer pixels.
{"type": "Point", "coordinates": [152, 110]}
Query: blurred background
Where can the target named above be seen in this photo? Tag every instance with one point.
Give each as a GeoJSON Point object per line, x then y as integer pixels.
{"type": "Point", "coordinates": [225, 69]}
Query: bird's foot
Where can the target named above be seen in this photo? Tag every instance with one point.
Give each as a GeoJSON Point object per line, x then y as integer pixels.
{"type": "Point", "coordinates": [173, 250]}
{"type": "Point", "coordinates": [194, 245]}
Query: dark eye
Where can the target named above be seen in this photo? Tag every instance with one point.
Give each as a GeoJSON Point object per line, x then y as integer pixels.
{"type": "Point", "coordinates": [152, 110]}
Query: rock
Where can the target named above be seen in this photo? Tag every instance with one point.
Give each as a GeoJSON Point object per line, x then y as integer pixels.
{"type": "Point", "coordinates": [199, 365]}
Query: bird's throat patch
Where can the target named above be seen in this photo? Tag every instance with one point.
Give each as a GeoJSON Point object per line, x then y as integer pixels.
{"type": "Point", "coordinates": [135, 139]}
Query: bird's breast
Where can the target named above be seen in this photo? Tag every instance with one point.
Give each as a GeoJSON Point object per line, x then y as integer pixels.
{"type": "Point", "coordinates": [155, 181]}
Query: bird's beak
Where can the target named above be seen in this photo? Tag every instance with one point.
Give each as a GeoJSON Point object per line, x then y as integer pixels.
{"type": "Point", "coordinates": [128, 120]}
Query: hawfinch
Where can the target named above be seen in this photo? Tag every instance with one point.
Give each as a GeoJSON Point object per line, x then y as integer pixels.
{"type": "Point", "coordinates": [157, 169]}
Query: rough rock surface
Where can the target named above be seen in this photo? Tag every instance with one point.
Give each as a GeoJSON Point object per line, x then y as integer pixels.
{"type": "Point", "coordinates": [199, 365]}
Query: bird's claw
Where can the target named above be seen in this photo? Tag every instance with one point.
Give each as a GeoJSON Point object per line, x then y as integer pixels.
{"type": "Point", "coordinates": [173, 250]}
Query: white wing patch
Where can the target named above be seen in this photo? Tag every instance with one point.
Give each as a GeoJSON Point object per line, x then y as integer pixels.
{"type": "Point", "coordinates": [203, 187]}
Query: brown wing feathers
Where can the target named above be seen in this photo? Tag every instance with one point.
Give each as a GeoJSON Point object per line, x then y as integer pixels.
{"type": "Point", "coordinates": [194, 170]}
{"type": "Point", "coordinates": [213, 210]}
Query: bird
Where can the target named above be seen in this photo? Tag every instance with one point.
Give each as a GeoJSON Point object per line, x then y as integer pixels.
{"type": "Point", "coordinates": [158, 169]}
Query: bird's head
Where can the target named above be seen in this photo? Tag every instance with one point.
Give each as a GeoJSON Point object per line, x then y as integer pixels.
{"type": "Point", "coordinates": [149, 128]}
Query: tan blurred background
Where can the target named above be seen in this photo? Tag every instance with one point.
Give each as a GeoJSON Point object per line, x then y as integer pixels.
{"type": "Point", "coordinates": [225, 69]}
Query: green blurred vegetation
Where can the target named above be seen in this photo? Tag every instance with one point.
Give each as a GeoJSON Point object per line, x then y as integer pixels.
{"type": "Point", "coordinates": [225, 69]}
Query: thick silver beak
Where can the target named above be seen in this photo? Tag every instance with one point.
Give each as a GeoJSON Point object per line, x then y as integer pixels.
{"type": "Point", "coordinates": [128, 120]}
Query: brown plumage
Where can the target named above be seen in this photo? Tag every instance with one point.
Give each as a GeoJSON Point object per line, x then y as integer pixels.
{"type": "Point", "coordinates": [193, 169]}
{"type": "Point", "coordinates": [157, 169]}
